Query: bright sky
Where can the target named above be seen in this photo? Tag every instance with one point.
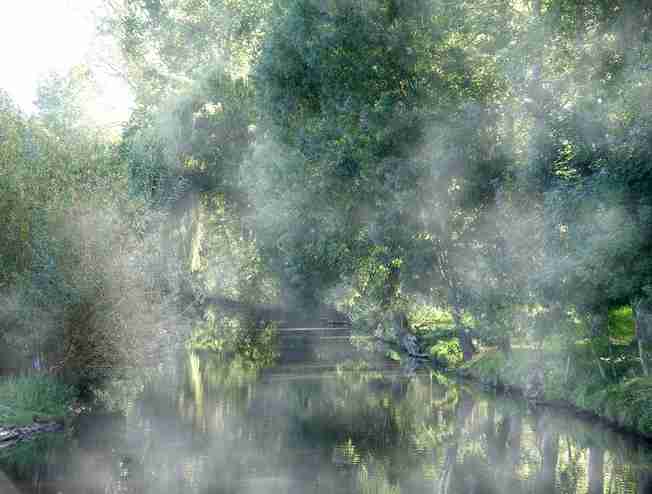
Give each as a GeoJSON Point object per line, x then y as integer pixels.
{"type": "Point", "coordinates": [37, 36]}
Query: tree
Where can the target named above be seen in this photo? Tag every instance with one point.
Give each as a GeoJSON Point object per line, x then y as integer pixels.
{"type": "Point", "coordinates": [370, 152]}
{"type": "Point", "coordinates": [168, 45]}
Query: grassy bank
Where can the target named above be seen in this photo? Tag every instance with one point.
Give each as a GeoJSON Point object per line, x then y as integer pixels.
{"type": "Point", "coordinates": [23, 397]}
{"type": "Point", "coordinates": [621, 399]}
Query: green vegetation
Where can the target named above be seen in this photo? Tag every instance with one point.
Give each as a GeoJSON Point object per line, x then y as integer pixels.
{"type": "Point", "coordinates": [475, 174]}
{"type": "Point", "coordinates": [21, 398]}
{"type": "Point", "coordinates": [229, 336]}
{"type": "Point", "coordinates": [626, 401]}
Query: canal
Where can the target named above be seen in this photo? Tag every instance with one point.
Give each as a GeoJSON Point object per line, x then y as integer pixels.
{"type": "Point", "coordinates": [206, 425]}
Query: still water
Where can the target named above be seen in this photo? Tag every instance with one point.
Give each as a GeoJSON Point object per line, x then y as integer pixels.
{"type": "Point", "coordinates": [206, 426]}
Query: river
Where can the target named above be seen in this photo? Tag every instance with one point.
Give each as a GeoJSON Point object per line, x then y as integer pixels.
{"type": "Point", "coordinates": [209, 426]}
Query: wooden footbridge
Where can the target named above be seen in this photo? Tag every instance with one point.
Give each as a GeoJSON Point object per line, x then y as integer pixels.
{"type": "Point", "coordinates": [317, 343]}
{"type": "Point", "coordinates": [326, 337]}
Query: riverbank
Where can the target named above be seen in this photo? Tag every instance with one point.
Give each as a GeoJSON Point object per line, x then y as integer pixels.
{"type": "Point", "coordinates": [625, 403]}
{"type": "Point", "coordinates": [22, 398]}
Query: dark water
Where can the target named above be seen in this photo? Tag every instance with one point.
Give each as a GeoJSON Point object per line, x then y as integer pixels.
{"type": "Point", "coordinates": [211, 427]}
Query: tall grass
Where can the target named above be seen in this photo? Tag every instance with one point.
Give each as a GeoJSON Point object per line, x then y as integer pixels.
{"type": "Point", "coordinates": [22, 397]}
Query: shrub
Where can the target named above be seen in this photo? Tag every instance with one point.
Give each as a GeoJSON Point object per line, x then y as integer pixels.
{"type": "Point", "coordinates": [447, 352]}
{"type": "Point", "coordinates": [22, 397]}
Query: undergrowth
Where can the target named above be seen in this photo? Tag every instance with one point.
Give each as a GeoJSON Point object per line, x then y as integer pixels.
{"type": "Point", "coordinates": [23, 397]}
{"type": "Point", "coordinates": [621, 398]}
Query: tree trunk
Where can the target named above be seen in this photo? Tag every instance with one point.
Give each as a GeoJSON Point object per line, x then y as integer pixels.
{"type": "Point", "coordinates": [579, 24]}
{"type": "Point", "coordinates": [453, 293]}
{"type": "Point", "coordinates": [466, 343]}
{"type": "Point", "coordinates": [505, 345]}
{"type": "Point", "coordinates": [598, 327]}
{"type": "Point", "coordinates": [629, 12]}
{"type": "Point", "coordinates": [405, 338]}
{"type": "Point", "coordinates": [463, 334]}
{"type": "Point", "coordinates": [642, 308]}
{"type": "Point", "coordinates": [536, 88]}
{"type": "Point", "coordinates": [567, 371]}
{"type": "Point", "coordinates": [392, 286]}
{"type": "Point", "coordinates": [643, 357]}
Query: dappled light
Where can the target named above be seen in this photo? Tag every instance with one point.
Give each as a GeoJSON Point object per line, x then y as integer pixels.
{"type": "Point", "coordinates": [319, 226]}
{"type": "Point", "coordinates": [215, 427]}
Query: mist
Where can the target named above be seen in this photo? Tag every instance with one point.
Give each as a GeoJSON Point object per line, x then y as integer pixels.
{"type": "Point", "coordinates": [321, 223]}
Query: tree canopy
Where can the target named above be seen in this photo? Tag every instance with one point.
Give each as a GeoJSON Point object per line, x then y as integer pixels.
{"type": "Point", "coordinates": [490, 158]}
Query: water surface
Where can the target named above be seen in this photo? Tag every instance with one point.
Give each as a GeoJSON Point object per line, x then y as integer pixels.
{"type": "Point", "coordinates": [208, 426]}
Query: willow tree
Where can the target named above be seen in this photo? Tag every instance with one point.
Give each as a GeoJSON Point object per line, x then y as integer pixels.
{"type": "Point", "coordinates": [374, 149]}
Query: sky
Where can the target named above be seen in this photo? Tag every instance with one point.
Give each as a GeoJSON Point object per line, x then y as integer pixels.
{"type": "Point", "coordinates": [38, 36]}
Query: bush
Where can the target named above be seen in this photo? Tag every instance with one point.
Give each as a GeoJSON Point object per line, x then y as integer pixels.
{"type": "Point", "coordinates": [491, 368]}
{"type": "Point", "coordinates": [627, 403]}
{"type": "Point", "coordinates": [621, 324]}
{"type": "Point", "coordinates": [427, 318]}
{"type": "Point", "coordinates": [22, 397]}
{"type": "Point", "coordinates": [235, 336]}
{"type": "Point", "coordinates": [447, 352]}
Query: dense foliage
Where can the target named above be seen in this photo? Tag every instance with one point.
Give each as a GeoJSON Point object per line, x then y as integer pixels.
{"type": "Point", "coordinates": [491, 159]}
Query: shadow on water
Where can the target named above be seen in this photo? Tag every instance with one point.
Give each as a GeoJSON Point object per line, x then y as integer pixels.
{"type": "Point", "coordinates": [215, 426]}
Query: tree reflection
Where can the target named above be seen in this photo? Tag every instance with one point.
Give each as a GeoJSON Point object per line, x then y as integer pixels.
{"type": "Point", "coordinates": [222, 426]}
{"type": "Point", "coordinates": [596, 470]}
{"type": "Point", "coordinates": [462, 411]}
{"type": "Point", "coordinates": [548, 440]}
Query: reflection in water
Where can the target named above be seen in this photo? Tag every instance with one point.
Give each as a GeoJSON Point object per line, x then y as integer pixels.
{"type": "Point", "coordinates": [212, 427]}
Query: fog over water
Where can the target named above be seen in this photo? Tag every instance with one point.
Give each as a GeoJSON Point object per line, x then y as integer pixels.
{"type": "Point", "coordinates": [463, 182]}
{"type": "Point", "coordinates": [214, 427]}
